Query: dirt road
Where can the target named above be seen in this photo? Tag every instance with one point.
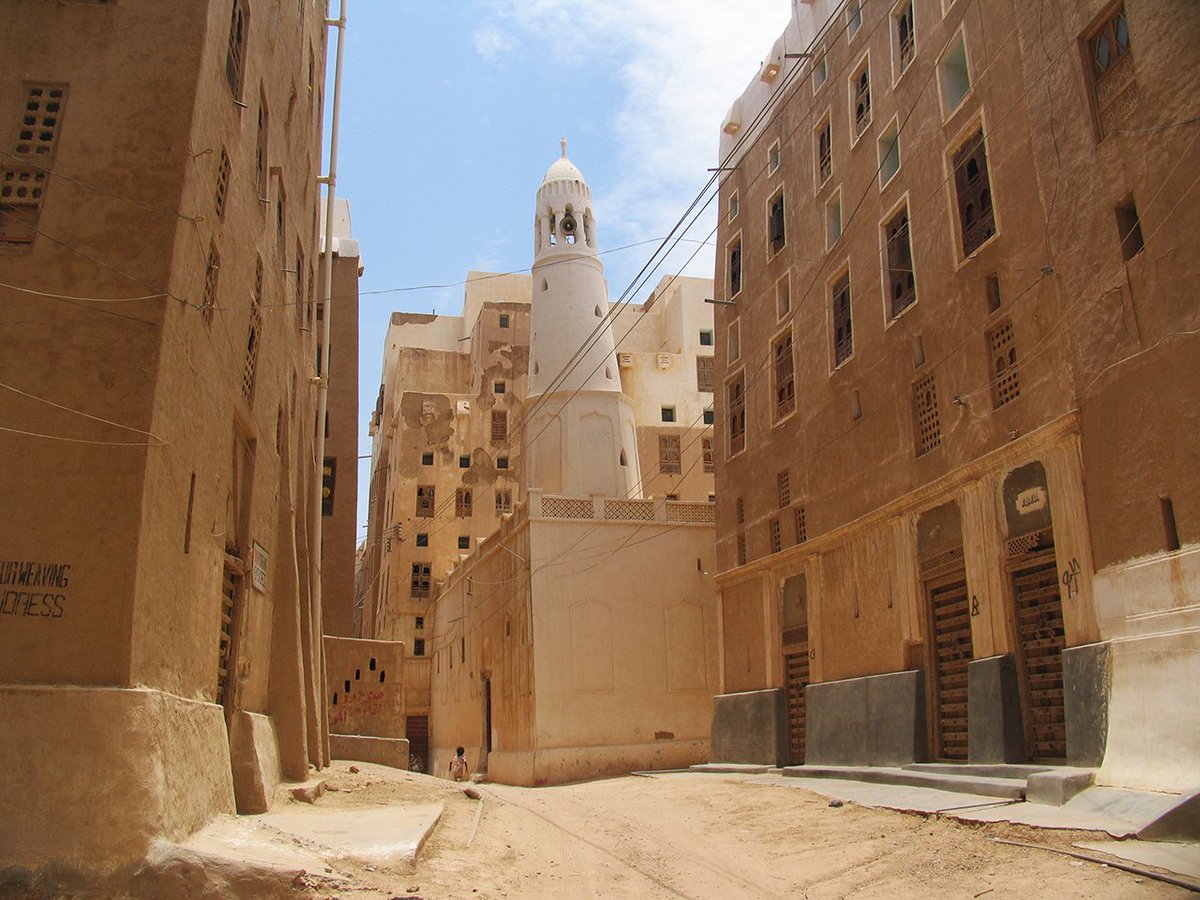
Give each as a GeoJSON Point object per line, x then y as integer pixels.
{"type": "Point", "coordinates": [710, 836]}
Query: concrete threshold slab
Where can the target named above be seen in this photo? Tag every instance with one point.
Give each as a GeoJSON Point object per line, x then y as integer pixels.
{"type": "Point", "coordinates": [1182, 859]}
{"type": "Point", "coordinates": [730, 768]}
{"type": "Point", "coordinates": [1004, 788]}
{"type": "Point", "coordinates": [381, 836]}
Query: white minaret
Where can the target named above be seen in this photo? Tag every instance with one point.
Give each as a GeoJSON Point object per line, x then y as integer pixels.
{"type": "Point", "coordinates": [579, 436]}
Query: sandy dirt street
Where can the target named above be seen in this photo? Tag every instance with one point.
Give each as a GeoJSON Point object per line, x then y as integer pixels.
{"type": "Point", "coordinates": [707, 836]}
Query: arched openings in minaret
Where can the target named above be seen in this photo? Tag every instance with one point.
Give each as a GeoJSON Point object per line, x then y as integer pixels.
{"type": "Point", "coordinates": [545, 285]}
{"type": "Point", "coordinates": [599, 315]}
{"type": "Point", "coordinates": [589, 229]}
{"type": "Point", "coordinates": [553, 229]}
{"type": "Point", "coordinates": [569, 224]}
{"type": "Point", "coordinates": [624, 460]}
{"type": "Point", "coordinates": [536, 367]}
{"type": "Point", "coordinates": [537, 234]}
{"type": "Point", "coordinates": [608, 373]}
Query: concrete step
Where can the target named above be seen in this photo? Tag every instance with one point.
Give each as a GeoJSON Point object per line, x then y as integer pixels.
{"type": "Point", "coordinates": [987, 770]}
{"type": "Point", "coordinates": [1004, 788]}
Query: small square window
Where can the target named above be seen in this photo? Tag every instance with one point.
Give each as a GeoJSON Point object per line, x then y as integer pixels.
{"type": "Point", "coordinates": [820, 73]}
{"type": "Point", "coordinates": [783, 297]}
{"type": "Point", "coordinates": [889, 154]}
{"type": "Point", "coordinates": [499, 387]}
{"type": "Point", "coordinates": [422, 540]}
{"type": "Point", "coordinates": [673, 498]}
{"type": "Point", "coordinates": [733, 206]}
{"type": "Point", "coordinates": [708, 416]}
{"type": "Point", "coordinates": [503, 320]}
{"type": "Point", "coordinates": [418, 624]}
{"type": "Point", "coordinates": [427, 459]}
{"type": "Point", "coordinates": [668, 414]}
{"type": "Point", "coordinates": [954, 76]}
{"type": "Point", "coordinates": [853, 17]}
{"type": "Point", "coordinates": [464, 542]}
{"type": "Point", "coordinates": [464, 462]}
{"type": "Point", "coordinates": [773, 158]}
{"type": "Point", "coordinates": [418, 646]}
{"type": "Point", "coordinates": [706, 337]}
{"type": "Point", "coordinates": [833, 219]}
{"type": "Point", "coordinates": [501, 462]}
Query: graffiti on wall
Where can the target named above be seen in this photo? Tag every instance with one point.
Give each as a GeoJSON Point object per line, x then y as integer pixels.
{"type": "Point", "coordinates": [356, 706]}
{"type": "Point", "coordinates": [33, 588]}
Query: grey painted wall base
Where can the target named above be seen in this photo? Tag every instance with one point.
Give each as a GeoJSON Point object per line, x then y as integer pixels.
{"type": "Point", "coordinates": [1086, 681]}
{"type": "Point", "coordinates": [749, 727]}
{"type": "Point", "coordinates": [878, 720]}
{"type": "Point", "coordinates": [995, 730]}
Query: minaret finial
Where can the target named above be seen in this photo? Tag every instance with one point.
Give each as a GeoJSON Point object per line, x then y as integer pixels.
{"type": "Point", "coordinates": [564, 146]}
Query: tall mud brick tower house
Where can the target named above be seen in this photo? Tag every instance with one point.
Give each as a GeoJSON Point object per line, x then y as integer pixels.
{"type": "Point", "coordinates": [160, 655]}
{"type": "Point", "coordinates": [958, 474]}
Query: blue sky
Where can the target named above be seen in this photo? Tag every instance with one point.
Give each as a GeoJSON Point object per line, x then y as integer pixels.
{"type": "Point", "coordinates": [452, 112]}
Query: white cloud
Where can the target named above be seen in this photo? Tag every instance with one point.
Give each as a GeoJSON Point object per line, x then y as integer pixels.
{"type": "Point", "coordinates": [680, 64]}
{"type": "Point", "coordinates": [491, 42]}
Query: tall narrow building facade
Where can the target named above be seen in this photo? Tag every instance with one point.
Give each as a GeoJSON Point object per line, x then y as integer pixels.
{"type": "Point", "coordinates": [579, 434]}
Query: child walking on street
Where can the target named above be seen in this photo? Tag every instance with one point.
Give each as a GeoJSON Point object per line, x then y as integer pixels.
{"type": "Point", "coordinates": [458, 765]}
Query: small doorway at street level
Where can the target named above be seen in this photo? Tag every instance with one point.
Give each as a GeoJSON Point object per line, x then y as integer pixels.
{"type": "Point", "coordinates": [796, 662]}
{"type": "Point", "coordinates": [1040, 640]}
{"type": "Point", "coordinates": [417, 732]}
{"type": "Point", "coordinates": [485, 746]}
{"type": "Point", "coordinates": [1036, 630]}
{"type": "Point", "coordinates": [950, 652]}
{"type": "Point", "coordinates": [948, 646]}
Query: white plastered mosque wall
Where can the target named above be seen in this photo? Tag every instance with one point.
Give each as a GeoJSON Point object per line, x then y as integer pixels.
{"type": "Point", "coordinates": [579, 430]}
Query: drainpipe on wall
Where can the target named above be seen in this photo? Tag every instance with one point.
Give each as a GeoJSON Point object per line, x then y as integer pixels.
{"type": "Point", "coordinates": [330, 180]}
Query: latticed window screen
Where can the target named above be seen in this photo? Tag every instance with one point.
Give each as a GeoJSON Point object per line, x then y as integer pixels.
{"type": "Point", "coordinates": [784, 482]}
{"type": "Point", "coordinates": [503, 501]}
{"type": "Point", "coordinates": [255, 334]}
{"type": "Point", "coordinates": [740, 510]}
{"type": "Point", "coordinates": [776, 536]}
{"type": "Point", "coordinates": [824, 152]}
{"type": "Point", "coordinates": [905, 38]}
{"type": "Point", "coordinates": [499, 425]}
{"type": "Point", "coordinates": [1112, 71]}
{"type": "Point", "coordinates": [1006, 382]}
{"type": "Point", "coordinates": [737, 414]}
{"type": "Point", "coordinates": [211, 276]}
{"type": "Point", "coordinates": [669, 462]}
{"type": "Point", "coordinates": [462, 503]}
{"type": "Point", "coordinates": [22, 189]}
{"type": "Point", "coordinates": [705, 367]}
{"type": "Point", "coordinates": [41, 121]}
{"type": "Point", "coordinates": [223, 183]}
{"type": "Point", "coordinates": [776, 233]}
{"type": "Point", "coordinates": [862, 100]}
{"type": "Point", "coordinates": [976, 215]}
{"type": "Point", "coordinates": [785, 376]}
{"type": "Point", "coordinates": [801, 525]}
{"type": "Point", "coordinates": [706, 449]}
{"type": "Point", "coordinates": [425, 501]}
{"type": "Point", "coordinates": [843, 335]}
{"type": "Point", "coordinates": [741, 549]}
{"type": "Point", "coordinates": [235, 55]}
{"type": "Point", "coordinates": [925, 409]}
{"type": "Point", "coordinates": [419, 586]}
{"type": "Point", "coordinates": [901, 282]}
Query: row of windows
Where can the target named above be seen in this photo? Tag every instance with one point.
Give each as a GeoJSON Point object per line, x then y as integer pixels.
{"type": "Point", "coordinates": [463, 502]}
{"type": "Point", "coordinates": [1004, 383]}
{"type": "Point", "coordinates": [464, 460]}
